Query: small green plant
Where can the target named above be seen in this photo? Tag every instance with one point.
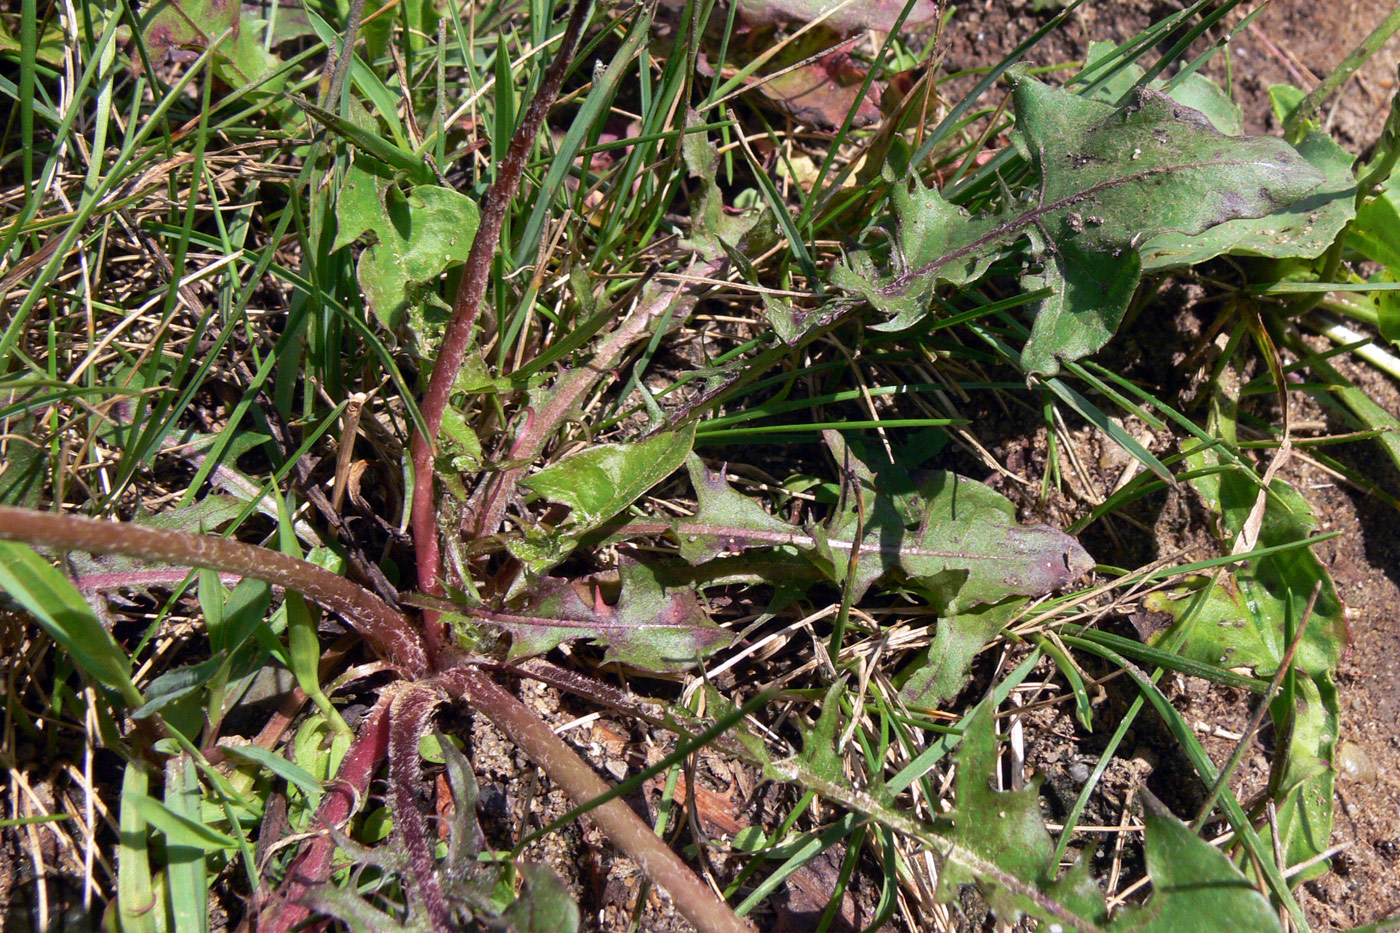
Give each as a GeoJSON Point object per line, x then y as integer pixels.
{"type": "Point", "coordinates": [510, 328]}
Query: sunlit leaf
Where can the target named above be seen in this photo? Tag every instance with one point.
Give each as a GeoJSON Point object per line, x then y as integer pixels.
{"type": "Point", "coordinates": [415, 237]}
{"type": "Point", "coordinates": [601, 481]}
{"type": "Point", "coordinates": [1107, 180]}
{"type": "Point", "coordinates": [1194, 886]}
{"type": "Point", "coordinates": [66, 617]}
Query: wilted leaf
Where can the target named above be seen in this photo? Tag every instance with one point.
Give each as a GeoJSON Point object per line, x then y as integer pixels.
{"type": "Point", "coordinates": [824, 92]}
{"type": "Point", "coordinates": [601, 481]}
{"type": "Point", "coordinates": [416, 237]}
{"type": "Point", "coordinates": [1108, 179]}
{"type": "Point", "coordinates": [862, 14]}
{"type": "Point", "coordinates": [1194, 886]}
{"type": "Point", "coordinates": [650, 626]}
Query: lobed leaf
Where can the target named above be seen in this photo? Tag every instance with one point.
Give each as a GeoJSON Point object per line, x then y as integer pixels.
{"type": "Point", "coordinates": [1108, 179]}
{"type": "Point", "coordinates": [1003, 827]}
{"type": "Point", "coordinates": [952, 539]}
{"type": "Point", "coordinates": [416, 237]}
{"type": "Point", "coordinates": [651, 626]}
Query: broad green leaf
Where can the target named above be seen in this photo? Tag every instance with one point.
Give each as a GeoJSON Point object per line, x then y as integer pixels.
{"type": "Point", "coordinates": [599, 482]}
{"type": "Point", "coordinates": [649, 626]}
{"type": "Point", "coordinates": [1194, 886]}
{"type": "Point", "coordinates": [168, 25]}
{"type": "Point", "coordinates": [1107, 179]}
{"type": "Point", "coordinates": [950, 538]}
{"type": "Point", "coordinates": [1112, 178]}
{"type": "Point", "coordinates": [66, 617]}
{"type": "Point", "coordinates": [1302, 230]}
{"type": "Point", "coordinates": [1196, 91]}
{"type": "Point", "coordinates": [1246, 620]}
{"type": "Point", "coordinates": [941, 672]}
{"type": "Point", "coordinates": [415, 237]}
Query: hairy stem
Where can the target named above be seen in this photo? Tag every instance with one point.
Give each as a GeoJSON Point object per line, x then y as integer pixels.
{"type": "Point", "coordinates": [409, 716]}
{"type": "Point", "coordinates": [696, 902]}
{"type": "Point", "coordinates": [472, 289]}
{"type": "Point", "coordinates": [389, 634]}
{"type": "Point", "coordinates": [312, 865]}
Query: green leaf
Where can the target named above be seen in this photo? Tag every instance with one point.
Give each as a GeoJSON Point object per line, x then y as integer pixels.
{"type": "Point", "coordinates": [174, 684]}
{"type": "Point", "coordinates": [1194, 886]}
{"type": "Point", "coordinates": [950, 538]}
{"type": "Point", "coordinates": [1111, 178]}
{"type": "Point", "coordinates": [66, 617]}
{"type": "Point", "coordinates": [937, 244]}
{"type": "Point", "coordinates": [1003, 827]}
{"type": "Point", "coordinates": [181, 24]}
{"type": "Point", "coordinates": [1108, 179]}
{"type": "Point", "coordinates": [1195, 91]}
{"type": "Point", "coordinates": [180, 829]}
{"type": "Point", "coordinates": [1246, 620]}
{"type": "Point", "coordinates": [26, 460]}
{"type": "Point", "coordinates": [288, 771]}
{"type": "Point", "coordinates": [246, 608]}
{"type": "Point", "coordinates": [1303, 230]}
{"type": "Point", "coordinates": [415, 237]}
{"type": "Point", "coordinates": [712, 231]}
{"type": "Point", "coordinates": [940, 673]}
{"type": "Point", "coordinates": [137, 906]}
{"type": "Point", "coordinates": [650, 626]}
{"type": "Point", "coordinates": [601, 481]}
{"type": "Point", "coordinates": [544, 905]}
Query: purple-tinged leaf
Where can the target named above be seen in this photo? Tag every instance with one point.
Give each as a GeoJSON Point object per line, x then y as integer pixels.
{"type": "Point", "coordinates": [650, 627]}
{"type": "Point", "coordinates": [950, 537]}
{"type": "Point", "coordinates": [880, 15]}
{"type": "Point", "coordinates": [1109, 179]}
